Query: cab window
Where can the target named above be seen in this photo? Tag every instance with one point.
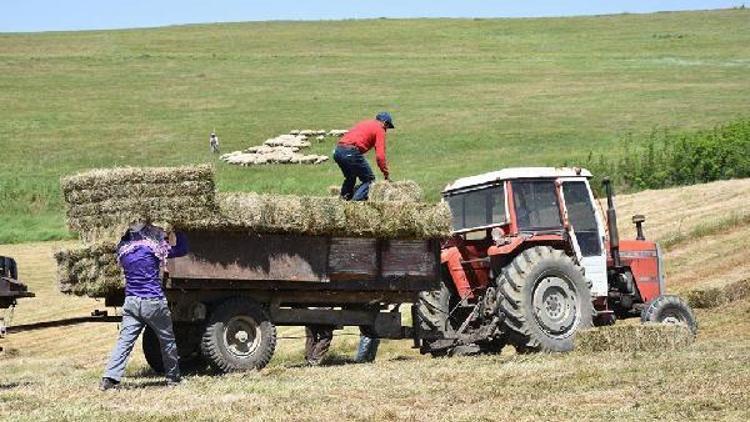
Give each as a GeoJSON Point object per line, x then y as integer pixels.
{"type": "Point", "coordinates": [582, 218]}
{"type": "Point", "coordinates": [536, 205]}
{"type": "Point", "coordinates": [477, 208]}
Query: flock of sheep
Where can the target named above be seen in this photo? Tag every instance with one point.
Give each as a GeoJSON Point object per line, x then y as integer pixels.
{"type": "Point", "coordinates": [283, 149]}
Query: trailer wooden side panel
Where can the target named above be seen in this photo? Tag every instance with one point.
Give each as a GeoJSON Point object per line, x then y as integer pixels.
{"type": "Point", "coordinates": [243, 256]}
{"type": "Point", "coordinates": [220, 260]}
{"type": "Point", "coordinates": [408, 258]}
{"type": "Point", "coordinates": [353, 259]}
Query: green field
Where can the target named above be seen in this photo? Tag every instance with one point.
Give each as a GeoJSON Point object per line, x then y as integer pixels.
{"type": "Point", "coordinates": [467, 96]}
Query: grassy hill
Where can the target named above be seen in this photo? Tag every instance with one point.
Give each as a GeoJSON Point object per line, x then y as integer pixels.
{"type": "Point", "coordinates": [468, 96]}
{"type": "Point", "coordinates": [53, 373]}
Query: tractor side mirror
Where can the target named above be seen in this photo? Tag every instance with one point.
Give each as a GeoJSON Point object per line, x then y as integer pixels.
{"type": "Point", "coordinates": [638, 220]}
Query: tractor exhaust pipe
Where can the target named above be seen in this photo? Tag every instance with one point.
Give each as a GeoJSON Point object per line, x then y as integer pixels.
{"type": "Point", "coordinates": [614, 237]}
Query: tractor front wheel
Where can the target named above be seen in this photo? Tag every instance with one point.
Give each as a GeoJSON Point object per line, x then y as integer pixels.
{"type": "Point", "coordinates": [670, 309]}
{"type": "Point", "coordinates": [545, 299]}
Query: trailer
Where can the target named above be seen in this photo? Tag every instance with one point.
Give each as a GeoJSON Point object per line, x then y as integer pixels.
{"type": "Point", "coordinates": [232, 290]}
{"type": "Point", "coordinates": [10, 288]}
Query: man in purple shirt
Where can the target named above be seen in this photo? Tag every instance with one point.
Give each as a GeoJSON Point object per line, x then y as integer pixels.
{"type": "Point", "coordinates": [142, 252]}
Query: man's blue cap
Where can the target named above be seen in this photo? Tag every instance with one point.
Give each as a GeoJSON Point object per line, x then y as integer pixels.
{"type": "Point", "coordinates": [386, 118]}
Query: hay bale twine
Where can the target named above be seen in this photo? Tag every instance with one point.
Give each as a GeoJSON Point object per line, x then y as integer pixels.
{"type": "Point", "coordinates": [634, 338]}
{"type": "Point", "coordinates": [401, 191]}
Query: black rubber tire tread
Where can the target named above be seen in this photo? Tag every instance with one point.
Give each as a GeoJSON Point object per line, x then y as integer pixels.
{"type": "Point", "coordinates": [212, 344]}
{"type": "Point", "coordinates": [656, 310]}
{"type": "Point", "coordinates": [515, 287]}
{"type": "Point", "coordinates": [191, 359]}
{"type": "Point", "coordinates": [433, 309]}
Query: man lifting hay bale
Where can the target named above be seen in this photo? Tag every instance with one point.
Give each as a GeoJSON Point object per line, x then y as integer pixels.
{"type": "Point", "coordinates": [142, 252]}
{"type": "Point", "coordinates": [349, 155]}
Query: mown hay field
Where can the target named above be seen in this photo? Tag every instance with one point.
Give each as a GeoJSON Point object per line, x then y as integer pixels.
{"type": "Point", "coordinates": [53, 373]}
{"type": "Point", "coordinates": [468, 96]}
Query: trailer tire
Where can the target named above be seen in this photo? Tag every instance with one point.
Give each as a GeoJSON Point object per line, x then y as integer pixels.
{"type": "Point", "coordinates": [188, 348]}
{"type": "Point", "coordinates": [545, 299]}
{"type": "Point", "coordinates": [239, 336]}
{"type": "Point", "coordinates": [670, 309]}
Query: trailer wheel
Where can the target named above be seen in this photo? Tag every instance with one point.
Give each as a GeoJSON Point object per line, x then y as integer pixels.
{"type": "Point", "coordinates": [239, 336]}
{"type": "Point", "coordinates": [545, 299]}
{"type": "Point", "coordinates": [670, 309]}
{"type": "Point", "coordinates": [188, 347]}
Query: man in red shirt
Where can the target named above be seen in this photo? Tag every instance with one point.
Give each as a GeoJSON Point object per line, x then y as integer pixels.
{"type": "Point", "coordinates": [349, 155]}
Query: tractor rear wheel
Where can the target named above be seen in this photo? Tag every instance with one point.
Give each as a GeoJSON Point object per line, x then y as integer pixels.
{"type": "Point", "coordinates": [545, 299]}
{"type": "Point", "coordinates": [239, 336]}
{"type": "Point", "coordinates": [670, 309]}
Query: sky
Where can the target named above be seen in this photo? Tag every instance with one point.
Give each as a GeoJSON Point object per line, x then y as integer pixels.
{"type": "Point", "coordinates": [68, 15]}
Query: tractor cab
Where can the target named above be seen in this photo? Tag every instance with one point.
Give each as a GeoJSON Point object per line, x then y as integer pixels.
{"type": "Point", "coordinates": [501, 211]}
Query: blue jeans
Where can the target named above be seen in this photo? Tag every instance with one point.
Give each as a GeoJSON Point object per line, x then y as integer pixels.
{"type": "Point", "coordinates": [368, 346]}
{"type": "Point", "coordinates": [136, 314]}
{"type": "Point", "coordinates": [354, 166]}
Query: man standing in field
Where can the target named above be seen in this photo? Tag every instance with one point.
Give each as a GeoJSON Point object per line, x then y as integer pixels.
{"type": "Point", "coordinates": [213, 142]}
{"type": "Point", "coordinates": [142, 252]}
{"type": "Point", "coordinates": [349, 155]}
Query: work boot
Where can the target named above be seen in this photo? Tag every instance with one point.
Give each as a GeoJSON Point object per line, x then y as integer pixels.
{"type": "Point", "coordinates": [107, 384]}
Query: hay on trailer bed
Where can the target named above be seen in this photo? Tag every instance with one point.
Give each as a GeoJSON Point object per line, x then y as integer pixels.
{"type": "Point", "coordinates": [401, 191]}
{"type": "Point", "coordinates": [648, 337]}
{"type": "Point", "coordinates": [325, 216]}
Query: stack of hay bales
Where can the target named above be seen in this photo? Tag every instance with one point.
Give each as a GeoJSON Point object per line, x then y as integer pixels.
{"type": "Point", "coordinates": [648, 337]}
{"type": "Point", "coordinates": [102, 203]}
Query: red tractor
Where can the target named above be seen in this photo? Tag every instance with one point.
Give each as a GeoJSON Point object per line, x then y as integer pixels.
{"type": "Point", "coordinates": [530, 263]}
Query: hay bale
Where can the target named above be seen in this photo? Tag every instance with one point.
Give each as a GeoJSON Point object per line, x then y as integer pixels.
{"type": "Point", "coordinates": [632, 338]}
{"type": "Point", "coordinates": [716, 296]}
{"type": "Point", "coordinates": [706, 298]}
{"type": "Point", "coordinates": [401, 191]}
{"type": "Point", "coordinates": [101, 178]}
{"type": "Point", "coordinates": [739, 290]}
{"type": "Point", "coordinates": [90, 270]}
{"type": "Point", "coordinates": [101, 202]}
